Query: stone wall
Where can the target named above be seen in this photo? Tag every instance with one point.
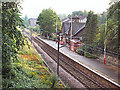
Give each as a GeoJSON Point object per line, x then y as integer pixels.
{"type": "Point", "coordinates": [110, 60]}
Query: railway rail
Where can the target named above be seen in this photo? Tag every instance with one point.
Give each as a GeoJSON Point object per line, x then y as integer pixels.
{"type": "Point", "coordinates": [87, 77]}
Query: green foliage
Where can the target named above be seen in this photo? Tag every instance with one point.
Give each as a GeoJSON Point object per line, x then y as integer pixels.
{"type": "Point", "coordinates": [47, 21]}
{"type": "Point", "coordinates": [100, 36]}
{"type": "Point", "coordinates": [80, 51]}
{"type": "Point", "coordinates": [23, 79]}
{"type": "Point", "coordinates": [88, 55]}
{"type": "Point", "coordinates": [62, 16]}
{"type": "Point", "coordinates": [11, 37]}
{"type": "Point", "coordinates": [36, 29]}
{"type": "Point", "coordinates": [113, 24]}
{"type": "Point", "coordinates": [53, 79]}
{"type": "Point", "coordinates": [107, 34]}
{"type": "Point", "coordinates": [26, 21]}
{"type": "Point", "coordinates": [102, 18]}
{"type": "Point", "coordinates": [90, 31]}
{"type": "Point", "coordinates": [110, 21]}
{"type": "Point", "coordinates": [53, 37]}
{"type": "Point", "coordinates": [86, 51]}
{"type": "Point", "coordinates": [80, 13]}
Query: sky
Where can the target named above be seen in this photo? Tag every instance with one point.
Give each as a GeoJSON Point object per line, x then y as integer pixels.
{"type": "Point", "coordinates": [32, 8]}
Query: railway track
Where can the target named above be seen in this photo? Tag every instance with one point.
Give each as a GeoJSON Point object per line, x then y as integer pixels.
{"type": "Point", "coordinates": [87, 77]}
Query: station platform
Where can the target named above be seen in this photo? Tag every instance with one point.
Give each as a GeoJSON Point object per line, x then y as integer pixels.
{"type": "Point", "coordinates": [107, 71]}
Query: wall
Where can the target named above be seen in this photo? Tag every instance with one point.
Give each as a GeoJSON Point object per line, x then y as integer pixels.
{"type": "Point", "coordinates": [110, 60]}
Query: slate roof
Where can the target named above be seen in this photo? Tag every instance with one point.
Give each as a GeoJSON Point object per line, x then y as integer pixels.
{"type": "Point", "coordinates": [66, 20]}
{"type": "Point", "coordinates": [66, 25]}
{"type": "Point", "coordinates": [80, 29]}
{"type": "Point", "coordinates": [76, 27]}
{"type": "Point", "coordinates": [66, 28]}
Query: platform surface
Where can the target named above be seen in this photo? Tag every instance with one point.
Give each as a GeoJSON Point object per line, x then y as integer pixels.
{"type": "Point", "coordinates": [108, 71]}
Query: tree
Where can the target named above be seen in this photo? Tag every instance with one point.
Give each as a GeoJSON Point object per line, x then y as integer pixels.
{"type": "Point", "coordinates": [26, 22]}
{"type": "Point", "coordinates": [47, 21]}
{"type": "Point", "coordinates": [12, 40]}
{"type": "Point", "coordinates": [91, 28]}
{"type": "Point", "coordinates": [100, 37]}
{"type": "Point", "coordinates": [110, 38]}
{"type": "Point", "coordinates": [102, 18]}
{"type": "Point", "coordinates": [113, 27]}
{"type": "Point", "coordinates": [79, 13]}
{"type": "Point", "coordinates": [62, 16]}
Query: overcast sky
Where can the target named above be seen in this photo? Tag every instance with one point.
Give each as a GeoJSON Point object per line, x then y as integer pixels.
{"type": "Point", "coordinates": [32, 8]}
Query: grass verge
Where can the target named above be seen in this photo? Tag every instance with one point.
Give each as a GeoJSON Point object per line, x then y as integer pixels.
{"type": "Point", "coordinates": [30, 72]}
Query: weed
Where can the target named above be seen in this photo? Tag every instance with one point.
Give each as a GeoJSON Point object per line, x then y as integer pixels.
{"type": "Point", "coordinates": [53, 80]}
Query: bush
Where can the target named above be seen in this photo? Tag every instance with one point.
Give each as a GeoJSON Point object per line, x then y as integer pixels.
{"type": "Point", "coordinates": [53, 37]}
{"type": "Point", "coordinates": [53, 79]}
{"type": "Point", "coordinates": [79, 51]}
{"type": "Point", "coordinates": [85, 51]}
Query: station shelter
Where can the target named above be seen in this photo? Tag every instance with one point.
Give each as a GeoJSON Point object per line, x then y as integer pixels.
{"type": "Point", "coordinates": [74, 44]}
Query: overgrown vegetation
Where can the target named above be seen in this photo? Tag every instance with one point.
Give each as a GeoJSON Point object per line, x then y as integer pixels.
{"type": "Point", "coordinates": [96, 37]}
{"type": "Point", "coordinates": [30, 72]}
{"type": "Point", "coordinates": [87, 52]}
{"type": "Point", "coordinates": [21, 65]}
{"type": "Point", "coordinates": [12, 40]}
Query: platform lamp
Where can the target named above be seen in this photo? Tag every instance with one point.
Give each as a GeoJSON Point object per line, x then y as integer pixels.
{"type": "Point", "coordinates": [58, 38]}
{"type": "Point", "coordinates": [105, 38]}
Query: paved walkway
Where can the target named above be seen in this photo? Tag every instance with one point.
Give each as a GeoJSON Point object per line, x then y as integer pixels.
{"type": "Point", "coordinates": [105, 70]}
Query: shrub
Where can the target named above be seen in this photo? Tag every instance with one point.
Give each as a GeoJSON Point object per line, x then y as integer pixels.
{"type": "Point", "coordinates": [53, 37]}
{"type": "Point", "coordinates": [86, 51]}
{"type": "Point", "coordinates": [53, 80]}
{"type": "Point", "coordinates": [79, 51]}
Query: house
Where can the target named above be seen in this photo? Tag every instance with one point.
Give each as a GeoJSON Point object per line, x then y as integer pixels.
{"type": "Point", "coordinates": [65, 30]}
{"type": "Point", "coordinates": [80, 19]}
{"type": "Point", "coordinates": [32, 22]}
{"type": "Point", "coordinates": [74, 28]}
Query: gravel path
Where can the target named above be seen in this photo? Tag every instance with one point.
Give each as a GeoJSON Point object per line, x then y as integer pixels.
{"type": "Point", "coordinates": [64, 76]}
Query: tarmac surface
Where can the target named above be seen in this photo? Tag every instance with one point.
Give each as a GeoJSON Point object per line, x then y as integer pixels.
{"type": "Point", "coordinates": [107, 71]}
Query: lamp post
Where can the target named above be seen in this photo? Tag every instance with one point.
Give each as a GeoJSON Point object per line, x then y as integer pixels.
{"type": "Point", "coordinates": [105, 39]}
{"type": "Point", "coordinates": [57, 40]}
{"type": "Point", "coordinates": [58, 54]}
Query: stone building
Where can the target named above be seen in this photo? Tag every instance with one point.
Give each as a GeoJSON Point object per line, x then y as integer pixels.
{"type": "Point", "coordinates": [74, 28]}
